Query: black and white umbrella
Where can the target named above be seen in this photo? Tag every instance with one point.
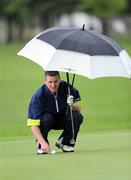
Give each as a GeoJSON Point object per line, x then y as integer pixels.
{"type": "Point", "coordinates": [78, 51]}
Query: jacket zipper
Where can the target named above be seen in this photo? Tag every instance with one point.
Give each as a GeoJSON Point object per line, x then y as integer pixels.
{"type": "Point", "coordinates": [56, 102]}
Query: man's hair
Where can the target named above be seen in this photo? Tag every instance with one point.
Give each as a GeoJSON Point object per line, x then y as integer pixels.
{"type": "Point", "coordinates": [52, 73]}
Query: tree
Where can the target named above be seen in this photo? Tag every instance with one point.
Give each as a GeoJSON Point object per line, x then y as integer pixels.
{"type": "Point", "coordinates": [48, 10]}
{"type": "Point", "coordinates": [128, 9]}
{"type": "Point", "coordinates": [14, 11]}
{"type": "Point", "coordinates": [103, 9]}
{"type": "Point", "coordinates": [17, 11]}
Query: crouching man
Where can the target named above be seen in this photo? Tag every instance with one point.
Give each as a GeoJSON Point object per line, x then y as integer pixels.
{"type": "Point", "coordinates": [49, 109]}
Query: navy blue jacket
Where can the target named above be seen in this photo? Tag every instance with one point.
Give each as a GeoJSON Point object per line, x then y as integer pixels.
{"type": "Point", "coordinates": [44, 101]}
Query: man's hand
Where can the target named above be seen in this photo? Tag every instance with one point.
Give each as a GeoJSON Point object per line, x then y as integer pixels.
{"type": "Point", "coordinates": [70, 100]}
{"type": "Point", "coordinates": [41, 140]}
{"type": "Point", "coordinates": [45, 147]}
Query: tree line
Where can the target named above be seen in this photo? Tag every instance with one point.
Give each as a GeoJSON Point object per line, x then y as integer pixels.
{"type": "Point", "coordinates": [18, 11]}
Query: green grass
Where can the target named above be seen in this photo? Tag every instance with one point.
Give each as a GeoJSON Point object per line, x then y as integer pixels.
{"type": "Point", "coordinates": [98, 156]}
{"type": "Point", "coordinates": [125, 42]}
{"type": "Point", "coordinates": [103, 146]}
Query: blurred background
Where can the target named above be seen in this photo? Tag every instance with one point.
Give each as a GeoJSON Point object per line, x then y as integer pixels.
{"type": "Point", "coordinates": [105, 102]}
{"type": "Point", "coordinates": [21, 20]}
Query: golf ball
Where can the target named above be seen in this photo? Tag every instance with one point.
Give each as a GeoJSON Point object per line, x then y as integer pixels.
{"type": "Point", "coordinates": [52, 152]}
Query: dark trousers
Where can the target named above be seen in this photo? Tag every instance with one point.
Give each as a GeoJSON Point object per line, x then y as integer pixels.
{"type": "Point", "coordinates": [53, 121]}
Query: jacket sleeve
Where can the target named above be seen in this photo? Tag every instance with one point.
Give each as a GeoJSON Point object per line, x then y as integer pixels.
{"type": "Point", "coordinates": [34, 111]}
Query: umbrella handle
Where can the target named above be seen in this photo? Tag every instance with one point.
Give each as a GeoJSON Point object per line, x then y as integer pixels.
{"type": "Point", "coordinates": [73, 79]}
{"type": "Point", "coordinates": [68, 80]}
{"type": "Point", "coordinates": [67, 76]}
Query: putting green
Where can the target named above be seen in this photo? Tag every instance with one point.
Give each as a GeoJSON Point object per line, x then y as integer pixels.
{"type": "Point", "coordinates": [98, 156]}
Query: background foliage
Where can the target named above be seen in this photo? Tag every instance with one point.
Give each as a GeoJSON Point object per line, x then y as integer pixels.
{"type": "Point", "coordinates": [22, 11]}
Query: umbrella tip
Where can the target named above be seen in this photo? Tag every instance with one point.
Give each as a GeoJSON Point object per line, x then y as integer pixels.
{"type": "Point", "coordinates": [83, 28]}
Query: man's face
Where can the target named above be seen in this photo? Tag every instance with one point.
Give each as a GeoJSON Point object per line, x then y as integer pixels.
{"type": "Point", "coordinates": [52, 82]}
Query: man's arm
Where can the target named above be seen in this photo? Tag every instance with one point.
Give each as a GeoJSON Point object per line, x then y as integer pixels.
{"type": "Point", "coordinates": [76, 106]}
{"type": "Point", "coordinates": [44, 145]}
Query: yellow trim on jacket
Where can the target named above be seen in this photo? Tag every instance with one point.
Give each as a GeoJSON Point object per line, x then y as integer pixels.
{"type": "Point", "coordinates": [33, 122]}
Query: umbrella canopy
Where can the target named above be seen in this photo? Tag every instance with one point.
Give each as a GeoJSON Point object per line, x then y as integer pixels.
{"type": "Point", "coordinates": [79, 51]}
